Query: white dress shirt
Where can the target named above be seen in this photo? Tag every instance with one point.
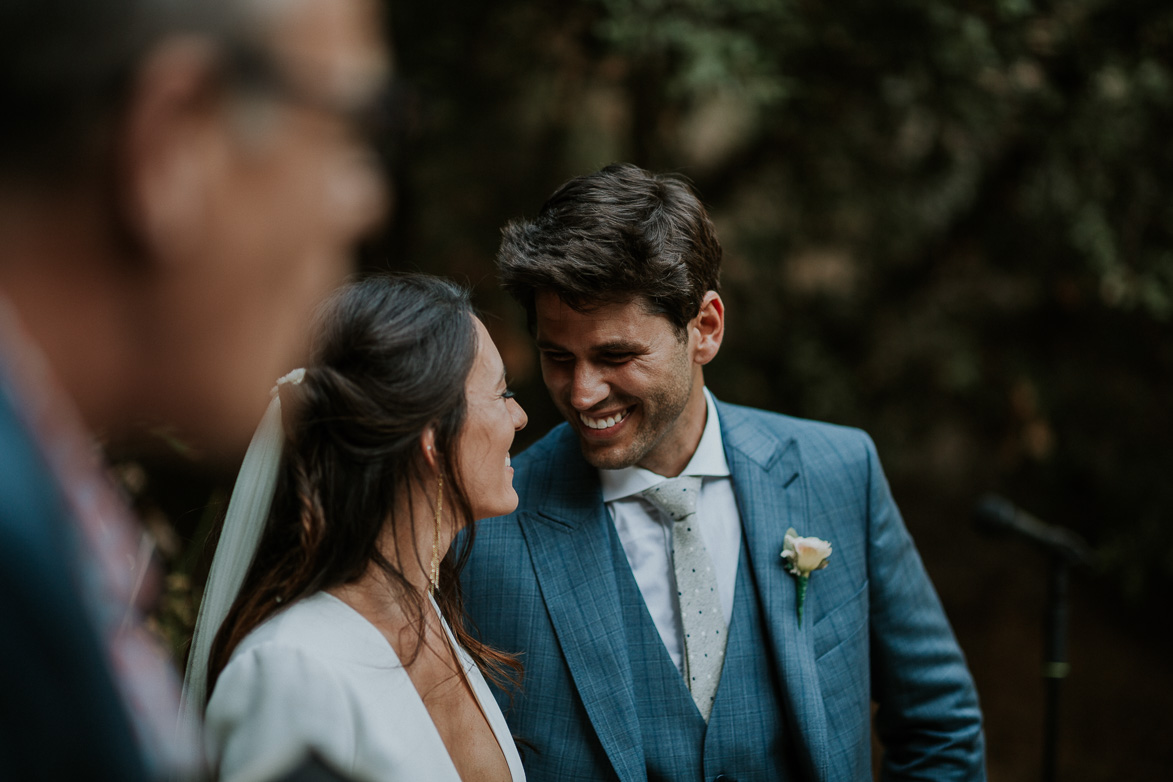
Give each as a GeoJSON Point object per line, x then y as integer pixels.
{"type": "Point", "coordinates": [646, 533]}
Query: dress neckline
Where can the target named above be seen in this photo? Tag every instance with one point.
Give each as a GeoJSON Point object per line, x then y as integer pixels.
{"type": "Point", "coordinates": [472, 677]}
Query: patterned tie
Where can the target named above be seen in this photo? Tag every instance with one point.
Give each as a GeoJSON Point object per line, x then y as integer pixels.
{"type": "Point", "coordinates": [705, 631]}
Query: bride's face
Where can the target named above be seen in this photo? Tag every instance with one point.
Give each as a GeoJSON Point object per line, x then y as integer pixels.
{"type": "Point", "coordinates": [492, 419]}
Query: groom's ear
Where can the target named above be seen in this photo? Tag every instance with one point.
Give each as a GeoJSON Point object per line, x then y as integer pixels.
{"type": "Point", "coordinates": [708, 328]}
{"type": "Point", "coordinates": [428, 446]}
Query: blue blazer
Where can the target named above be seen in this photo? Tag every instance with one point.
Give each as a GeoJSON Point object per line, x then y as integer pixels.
{"type": "Point", "coordinates": [541, 582]}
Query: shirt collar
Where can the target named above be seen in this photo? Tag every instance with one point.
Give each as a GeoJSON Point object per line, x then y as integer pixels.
{"type": "Point", "coordinates": [708, 461]}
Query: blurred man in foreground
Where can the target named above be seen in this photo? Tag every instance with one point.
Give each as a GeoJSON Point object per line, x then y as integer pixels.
{"type": "Point", "coordinates": [180, 183]}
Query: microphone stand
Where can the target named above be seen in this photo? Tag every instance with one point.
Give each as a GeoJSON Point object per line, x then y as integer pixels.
{"type": "Point", "coordinates": [1065, 549]}
{"type": "Point", "coordinates": [1055, 664]}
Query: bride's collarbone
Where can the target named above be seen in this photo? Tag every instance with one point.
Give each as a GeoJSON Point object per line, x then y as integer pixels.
{"type": "Point", "coordinates": [455, 711]}
{"type": "Point", "coordinates": [434, 668]}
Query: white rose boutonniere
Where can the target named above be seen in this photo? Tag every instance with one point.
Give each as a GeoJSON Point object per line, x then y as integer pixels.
{"type": "Point", "coordinates": [804, 556]}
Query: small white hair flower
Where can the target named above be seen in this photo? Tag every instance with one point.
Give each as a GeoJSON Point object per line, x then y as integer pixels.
{"type": "Point", "coordinates": [292, 378]}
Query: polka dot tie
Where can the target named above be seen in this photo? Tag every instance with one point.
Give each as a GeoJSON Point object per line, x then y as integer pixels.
{"type": "Point", "coordinates": [705, 631]}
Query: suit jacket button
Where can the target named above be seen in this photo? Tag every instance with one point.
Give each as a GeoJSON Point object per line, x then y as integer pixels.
{"type": "Point", "coordinates": [723, 778]}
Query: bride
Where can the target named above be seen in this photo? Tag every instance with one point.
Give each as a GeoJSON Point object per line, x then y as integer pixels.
{"type": "Point", "coordinates": [344, 637]}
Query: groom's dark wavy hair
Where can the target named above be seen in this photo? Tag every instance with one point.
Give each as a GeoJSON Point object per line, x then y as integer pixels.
{"type": "Point", "coordinates": [611, 236]}
{"type": "Point", "coordinates": [392, 358]}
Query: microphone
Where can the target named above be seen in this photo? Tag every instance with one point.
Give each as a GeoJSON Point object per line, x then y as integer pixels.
{"type": "Point", "coordinates": [995, 515]}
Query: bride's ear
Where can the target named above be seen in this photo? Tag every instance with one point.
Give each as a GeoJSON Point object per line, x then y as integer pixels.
{"type": "Point", "coordinates": [428, 446]}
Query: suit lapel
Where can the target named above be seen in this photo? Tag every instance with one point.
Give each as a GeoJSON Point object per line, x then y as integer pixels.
{"type": "Point", "coordinates": [771, 496]}
{"type": "Point", "coordinates": [570, 547]}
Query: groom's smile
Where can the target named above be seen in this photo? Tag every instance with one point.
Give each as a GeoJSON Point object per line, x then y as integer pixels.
{"type": "Point", "coordinates": [604, 423]}
{"type": "Point", "coordinates": [625, 380]}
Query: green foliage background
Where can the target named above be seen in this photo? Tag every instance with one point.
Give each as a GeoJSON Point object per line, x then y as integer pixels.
{"type": "Point", "coordinates": [946, 222]}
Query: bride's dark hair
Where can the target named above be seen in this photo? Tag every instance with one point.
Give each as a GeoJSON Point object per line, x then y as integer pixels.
{"type": "Point", "coordinates": [392, 357]}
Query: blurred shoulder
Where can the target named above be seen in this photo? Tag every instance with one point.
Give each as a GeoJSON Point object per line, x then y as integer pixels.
{"type": "Point", "coordinates": [29, 496]}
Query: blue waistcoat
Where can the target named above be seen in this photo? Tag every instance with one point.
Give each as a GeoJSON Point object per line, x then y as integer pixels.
{"type": "Point", "coordinates": [744, 742]}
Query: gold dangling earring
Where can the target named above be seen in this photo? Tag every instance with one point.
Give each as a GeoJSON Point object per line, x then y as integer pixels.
{"type": "Point", "coordinates": [434, 575]}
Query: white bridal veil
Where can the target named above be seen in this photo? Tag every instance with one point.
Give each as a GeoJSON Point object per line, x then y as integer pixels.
{"type": "Point", "coordinates": [243, 524]}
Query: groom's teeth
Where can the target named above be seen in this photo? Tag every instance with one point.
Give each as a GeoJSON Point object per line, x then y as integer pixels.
{"type": "Point", "coordinates": [602, 423]}
{"type": "Point", "coordinates": [507, 462]}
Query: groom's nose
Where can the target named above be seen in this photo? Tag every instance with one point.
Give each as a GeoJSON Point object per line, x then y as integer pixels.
{"type": "Point", "coordinates": [588, 386]}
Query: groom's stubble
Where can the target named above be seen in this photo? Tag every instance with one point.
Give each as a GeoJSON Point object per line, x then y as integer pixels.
{"type": "Point", "coordinates": [659, 412]}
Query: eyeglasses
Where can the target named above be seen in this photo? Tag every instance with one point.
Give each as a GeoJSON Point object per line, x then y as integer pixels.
{"type": "Point", "coordinates": [380, 121]}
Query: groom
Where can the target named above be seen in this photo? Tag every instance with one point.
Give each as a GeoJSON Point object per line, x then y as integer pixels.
{"type": "Point", "coordinates": [662, 633]}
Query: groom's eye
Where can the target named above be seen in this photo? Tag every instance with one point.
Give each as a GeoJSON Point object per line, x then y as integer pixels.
{"type": "Point", "coordinates": [617, 358]}
{"type": "Point", "coordinates": [549, 355]}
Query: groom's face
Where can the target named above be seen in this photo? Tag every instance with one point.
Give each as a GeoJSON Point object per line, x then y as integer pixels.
{"type": "Point", "coordinates": [626, 381]}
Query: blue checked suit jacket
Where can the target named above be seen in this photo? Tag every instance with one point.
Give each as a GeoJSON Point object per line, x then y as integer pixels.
{"type": "Point", "coordinates": [541, 582]}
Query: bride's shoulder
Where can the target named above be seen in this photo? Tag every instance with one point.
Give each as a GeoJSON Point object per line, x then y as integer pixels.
{"type": "Point", "coordinates": [281, 693]}
{"type": "Point", "coordinates": [321, 627]}
{"type": "Point", "coordinates": [316, 650]}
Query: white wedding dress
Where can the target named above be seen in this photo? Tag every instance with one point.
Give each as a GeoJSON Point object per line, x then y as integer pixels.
{"type": "Point", "coordinates": [318, 676]}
